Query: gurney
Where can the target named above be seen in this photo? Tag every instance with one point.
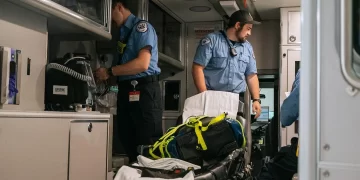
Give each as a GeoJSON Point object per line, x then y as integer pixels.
{"type": "Point", "coordinates": [212, 103]}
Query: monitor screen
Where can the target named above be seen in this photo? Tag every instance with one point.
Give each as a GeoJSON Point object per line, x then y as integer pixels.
{"type": "Point", "coordinates": [264, 116]}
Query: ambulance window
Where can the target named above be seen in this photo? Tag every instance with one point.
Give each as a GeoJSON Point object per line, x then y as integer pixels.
{"type": "Point", "coordinates": [168, 30]}
{"type": "Point", "coordinates": [356, 25]}
{"type": "Point", "coordinates": [356, 36]}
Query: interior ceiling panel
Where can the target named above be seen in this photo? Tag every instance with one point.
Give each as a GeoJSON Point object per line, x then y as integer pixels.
{"type": "Point", "coordinates": [269, 9]}
{"type": "Point", "coordinates": [182, 9]}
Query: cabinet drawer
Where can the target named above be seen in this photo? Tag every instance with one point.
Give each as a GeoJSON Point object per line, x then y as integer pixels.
{"type": "Point", "coordinates": [88, 150]}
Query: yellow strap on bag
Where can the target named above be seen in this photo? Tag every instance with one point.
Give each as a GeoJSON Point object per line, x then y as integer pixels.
{"type": "Point", "coordinates": [243, 134]}
{"type": "Point", "coordinates": [194, 122]}
{"type": "Point", "coordinates": [199, 129]}
{"type": "Point", "coordinates": [161, 142]}
{"type": "Point", "coordinates": [213, 121]}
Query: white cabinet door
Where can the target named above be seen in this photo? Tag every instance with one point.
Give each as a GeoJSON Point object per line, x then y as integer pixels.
{"type": "Point", "coordinates": [88, 150]}
{"type": "Point", "coordinates": [290, 26]}
{"type": "Point", "coordinates": [33, 148]}
{"type": "Point", "coordinates": [290, 63]}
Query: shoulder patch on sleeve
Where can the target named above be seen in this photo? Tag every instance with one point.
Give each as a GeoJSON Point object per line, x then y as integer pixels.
{"type": "Point", "coordinates": [205, 41]}
{"type": "Point", "coordinates": [142, 27]}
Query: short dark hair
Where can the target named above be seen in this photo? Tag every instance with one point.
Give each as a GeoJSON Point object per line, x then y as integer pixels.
{"type": "Point", "coordinates": [123, 2]}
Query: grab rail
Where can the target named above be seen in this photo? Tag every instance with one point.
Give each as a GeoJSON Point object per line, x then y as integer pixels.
{"type": "Point", "coordinates": [247, 116]}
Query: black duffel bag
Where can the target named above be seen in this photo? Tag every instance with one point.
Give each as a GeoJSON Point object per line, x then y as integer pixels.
{"type": "Point", "coordinates": [201, 139]}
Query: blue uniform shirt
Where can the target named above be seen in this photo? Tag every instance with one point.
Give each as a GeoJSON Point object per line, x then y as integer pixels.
{"type": "Point", "coordinates": [142, 35]}
{"type": "Point", "coordinates": [222, 71]}
{"type": "Point", "coordinates": [289, 112]}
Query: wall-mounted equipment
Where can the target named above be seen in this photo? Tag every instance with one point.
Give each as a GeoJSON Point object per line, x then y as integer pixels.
{"type": "Point", "coordinates": [68, 83]}
{"type": "Point", "coordinates": [10, 65]}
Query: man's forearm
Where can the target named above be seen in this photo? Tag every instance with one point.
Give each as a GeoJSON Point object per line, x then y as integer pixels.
{"type": "Point", "coordinates": [253, 83]}
{"type": "Point", "coordinates": [135, 66]}
{"type": "Point", "coordinates": [199, 79]}
{"type": "Point", "coordinates": [132, 67]}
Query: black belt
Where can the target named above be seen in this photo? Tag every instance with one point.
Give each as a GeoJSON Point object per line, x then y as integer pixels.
{"type": "Point", "coordinates": [142, 80]}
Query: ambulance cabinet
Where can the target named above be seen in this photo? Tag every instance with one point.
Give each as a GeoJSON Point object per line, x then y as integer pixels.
{"type": "Point", "coordinates": [56, 146]}
{"type": "Point", "coordinates": [290, 52]}
{"type": "Point", "coordinates": [290, 64]}
{"type": "Point", "coordinates": [290, 26]}
{"type": "Point", "coordinates": [92, 17]}
{"type": "Point", "coordinates": [88, 149]}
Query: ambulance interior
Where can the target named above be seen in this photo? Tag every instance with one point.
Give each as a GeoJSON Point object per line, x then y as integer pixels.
{"type": "Point", "coordinates": [36, 33]}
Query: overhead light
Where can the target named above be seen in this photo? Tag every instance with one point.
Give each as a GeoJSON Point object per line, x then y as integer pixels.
{"type": "Point", "coordinates": [200, 9]}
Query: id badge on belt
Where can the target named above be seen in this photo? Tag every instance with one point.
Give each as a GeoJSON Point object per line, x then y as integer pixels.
{"type": "Point", "coordinates": [134, 95]}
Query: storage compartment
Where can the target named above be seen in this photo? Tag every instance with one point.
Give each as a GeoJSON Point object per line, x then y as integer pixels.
{"type": "Point", "coordinates": [290, 26]}
{"type": "Point", "coordinates": [57, 146]}
{"type": "Point", "coordinates": [92, 9]}
{"type": "Point", "coordinates": [290, 64]}
{"type": "Point", "coordinates": [88, 149]}
{"type": "Point", "coordinates": [86, 19]}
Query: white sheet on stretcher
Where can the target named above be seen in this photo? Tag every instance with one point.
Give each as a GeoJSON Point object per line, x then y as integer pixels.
{"type": "Point", "coordinates": [128, 173]}
{"type": "Point", "coordinates": [211, 103]}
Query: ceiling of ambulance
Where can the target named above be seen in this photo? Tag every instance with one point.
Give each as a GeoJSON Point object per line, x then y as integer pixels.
{"type": "Point", "coordinates": [266, 9]}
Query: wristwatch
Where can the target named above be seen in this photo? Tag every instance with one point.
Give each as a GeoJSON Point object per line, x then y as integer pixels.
{"type": "Point", "coordinates": [258, 100]}
{"type": "Point", "coordinates": [109, 71]}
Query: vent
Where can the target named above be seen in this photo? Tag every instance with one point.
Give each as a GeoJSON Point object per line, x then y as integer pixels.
{"type": "Point", "coordinates": [229, 7]}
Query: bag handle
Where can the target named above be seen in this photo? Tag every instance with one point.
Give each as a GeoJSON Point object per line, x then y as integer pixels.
{"type": "Point", "coordinates": [199, 129]}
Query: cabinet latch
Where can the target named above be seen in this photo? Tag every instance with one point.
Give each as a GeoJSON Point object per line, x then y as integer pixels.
{"type": "Point", "coordinates": [90, 127]}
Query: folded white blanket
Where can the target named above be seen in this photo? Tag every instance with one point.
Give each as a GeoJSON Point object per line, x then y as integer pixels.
{"type": "Point", "coordinates": [128, 173]}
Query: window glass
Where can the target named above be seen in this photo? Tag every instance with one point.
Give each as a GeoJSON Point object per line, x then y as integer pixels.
{"type": "Point", "coordinates": [92, 9]}
{"type": "Point", "coordinates": [172, 95]}
{"type": "Point", "coordinates": [356, 25]}
{"type": "Point", "coordinates": [168, 30]}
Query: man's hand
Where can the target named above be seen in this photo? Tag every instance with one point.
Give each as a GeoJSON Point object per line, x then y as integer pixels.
{"type": "Point", "coordinates": [256, 109]}
{"type": "Point", "coordinates": [102, 74]}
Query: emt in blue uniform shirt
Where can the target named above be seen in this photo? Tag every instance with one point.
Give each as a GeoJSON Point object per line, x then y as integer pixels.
{"type": "Point", "coordinates": [139, 109]}
{"type": "Point", "coordinates": [289, 112]}
{"type": "Point", "coordinates": [225, 61]}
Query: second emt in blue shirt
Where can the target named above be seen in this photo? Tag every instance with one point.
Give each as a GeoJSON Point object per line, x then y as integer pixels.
{"type": "Point", "coordinates": [217, 67]}
{"type": "Point", "coordinates": [289, 112]}
{"type": "Point", "coordinates": [139, 109]}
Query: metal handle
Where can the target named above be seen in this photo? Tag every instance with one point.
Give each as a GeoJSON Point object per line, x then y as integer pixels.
{"type": "Point", "coordinates": [347, 52]}
{"type": "Point", "coordinates": [107, 22]}
{"type": "Point", "coordinates": [3, 75]}
{"type": "Point", "coordinates": [90, 126]}
{"type": "Point", "coordinates": [292, 38]}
